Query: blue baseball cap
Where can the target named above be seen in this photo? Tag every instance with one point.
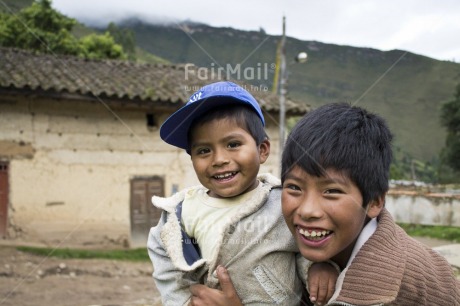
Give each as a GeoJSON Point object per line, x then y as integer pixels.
{"type": "Point", "coordinates": [175, 129]}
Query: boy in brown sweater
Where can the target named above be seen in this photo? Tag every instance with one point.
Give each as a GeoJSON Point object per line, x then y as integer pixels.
{"type": "Point", "coordinates": [335, 172]}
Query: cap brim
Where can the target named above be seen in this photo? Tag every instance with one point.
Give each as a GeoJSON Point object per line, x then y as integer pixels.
{"type": "Point", "coordinates": [176, 128]}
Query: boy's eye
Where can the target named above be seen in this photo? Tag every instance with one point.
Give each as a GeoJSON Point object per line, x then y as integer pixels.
{"type": "Point", "coordinates": [233, 144]}
{"type": "Point", "coordinates": [332, 191]}
{"type": "Point", "coordinates": [202, 151]}
{"type": "Point", "coordinates": [291, 187]}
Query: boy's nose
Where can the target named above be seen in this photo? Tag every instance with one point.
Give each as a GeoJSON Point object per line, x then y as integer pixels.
{"type": "Point", "coordinates": [310, 208]}
{"type": "Point", "coordinates": [220, 158]}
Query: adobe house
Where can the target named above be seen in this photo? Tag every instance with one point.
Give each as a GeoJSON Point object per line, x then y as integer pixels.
{"type": "Point", "coordinates": [80, 152]}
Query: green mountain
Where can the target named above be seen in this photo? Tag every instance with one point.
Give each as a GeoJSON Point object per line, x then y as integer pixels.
{"type": "Point", "coordinates": [406, 88]}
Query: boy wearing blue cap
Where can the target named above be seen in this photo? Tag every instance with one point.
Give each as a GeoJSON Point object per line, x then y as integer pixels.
{"type": "Point", "coordinates": [234, 219]}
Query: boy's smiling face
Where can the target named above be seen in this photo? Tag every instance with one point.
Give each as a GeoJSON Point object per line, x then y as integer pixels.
{"type": "Point", "coordinates": [226, 157]}
{"type": "Point", "coordinates": [325, 214]}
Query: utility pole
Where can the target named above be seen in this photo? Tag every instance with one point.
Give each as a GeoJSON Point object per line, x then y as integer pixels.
{"type": "Point", "coordinates": [282, 89]}
{"type": "Point", "coordinates": [282, 68]}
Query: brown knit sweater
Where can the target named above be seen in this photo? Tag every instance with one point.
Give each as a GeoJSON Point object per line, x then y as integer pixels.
{"type": "Point", "coordinates": [393, 269]}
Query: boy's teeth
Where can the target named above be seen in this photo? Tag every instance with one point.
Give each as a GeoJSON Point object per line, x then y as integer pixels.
{"type": "Point", "coordinates": [313, 234]}
{"type": "Point", "coordinates": [221, 176]}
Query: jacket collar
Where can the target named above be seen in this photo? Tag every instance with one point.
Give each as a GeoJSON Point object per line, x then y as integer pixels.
{"type": "Point", "coordinates": [374, 276]}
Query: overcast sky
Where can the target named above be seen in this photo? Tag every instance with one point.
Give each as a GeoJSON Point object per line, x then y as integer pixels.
{"type": "Point", "coordinates": [426, 27]}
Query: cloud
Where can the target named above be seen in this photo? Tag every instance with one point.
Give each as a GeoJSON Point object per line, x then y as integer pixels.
{"type": "Point", "coordinates": [427, 27]}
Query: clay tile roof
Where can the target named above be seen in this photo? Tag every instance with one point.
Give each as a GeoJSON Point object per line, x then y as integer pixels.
{"type": "Point", "coordinates": [24, 70]}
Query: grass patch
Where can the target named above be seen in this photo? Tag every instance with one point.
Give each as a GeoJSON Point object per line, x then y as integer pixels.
{"type": "Point", "coordinates": [449, 233]}
{"type": "Point", "coordinates": [432, 231]}
{"type": "Point", "coordinates": [129, 255]}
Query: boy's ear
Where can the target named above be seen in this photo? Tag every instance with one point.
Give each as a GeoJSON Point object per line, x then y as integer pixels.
{"type": "Point", "coordinates": [264, 150]}
{"type": "Point", "coordinates": [376, 206]}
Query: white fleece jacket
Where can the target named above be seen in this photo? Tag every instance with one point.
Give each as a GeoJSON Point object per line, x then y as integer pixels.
{"type": "Point", "coordinates": [256, 247]}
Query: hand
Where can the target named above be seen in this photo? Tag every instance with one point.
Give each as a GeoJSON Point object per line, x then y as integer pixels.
{"type": "Point", "coordinates": [322, 277]}
{"type": "Point", "coordinates": [204, 296]}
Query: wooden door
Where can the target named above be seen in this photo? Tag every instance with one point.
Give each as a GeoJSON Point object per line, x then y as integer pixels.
{"type": "Point", "coordinates": [143, 214]}
{"type": "Point", "coordinates": [4, 191]}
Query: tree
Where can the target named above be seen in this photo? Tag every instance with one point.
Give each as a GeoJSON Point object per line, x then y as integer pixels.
{"type": "Point", "coordinates": [125, 38]}
{"type": "Point", "coordinates": [41, 28]}
{"type": "Point", "coordinates": [450, 118]}
{"type": "Point", "coordinates": [101, 46]}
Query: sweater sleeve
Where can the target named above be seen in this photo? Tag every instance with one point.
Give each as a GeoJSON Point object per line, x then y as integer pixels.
{"type": "Point", "coordinates": [302, 266]}
{"type": "Point", "coordinates": [172, 283]}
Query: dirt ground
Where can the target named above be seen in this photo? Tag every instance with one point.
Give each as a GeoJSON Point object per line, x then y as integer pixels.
{"type": "Point", "coordinates": [28, 280]}
{"type": "Point", "coordinates": [33, 280]}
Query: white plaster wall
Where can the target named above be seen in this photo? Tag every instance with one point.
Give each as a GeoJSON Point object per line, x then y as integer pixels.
{"type": "Point", "coordinates": [420, 209]}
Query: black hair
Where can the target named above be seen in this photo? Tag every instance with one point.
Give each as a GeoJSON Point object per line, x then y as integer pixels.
{"type": "Point", "coordinates": [244, 116]}
{"type": "Point", "coordinates": [346, 138]}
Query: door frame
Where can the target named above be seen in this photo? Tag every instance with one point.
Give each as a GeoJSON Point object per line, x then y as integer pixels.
{"type": "Point", "coordinates": [4, 197]}
{"type": "Point", "coordinates": [140, 223]}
